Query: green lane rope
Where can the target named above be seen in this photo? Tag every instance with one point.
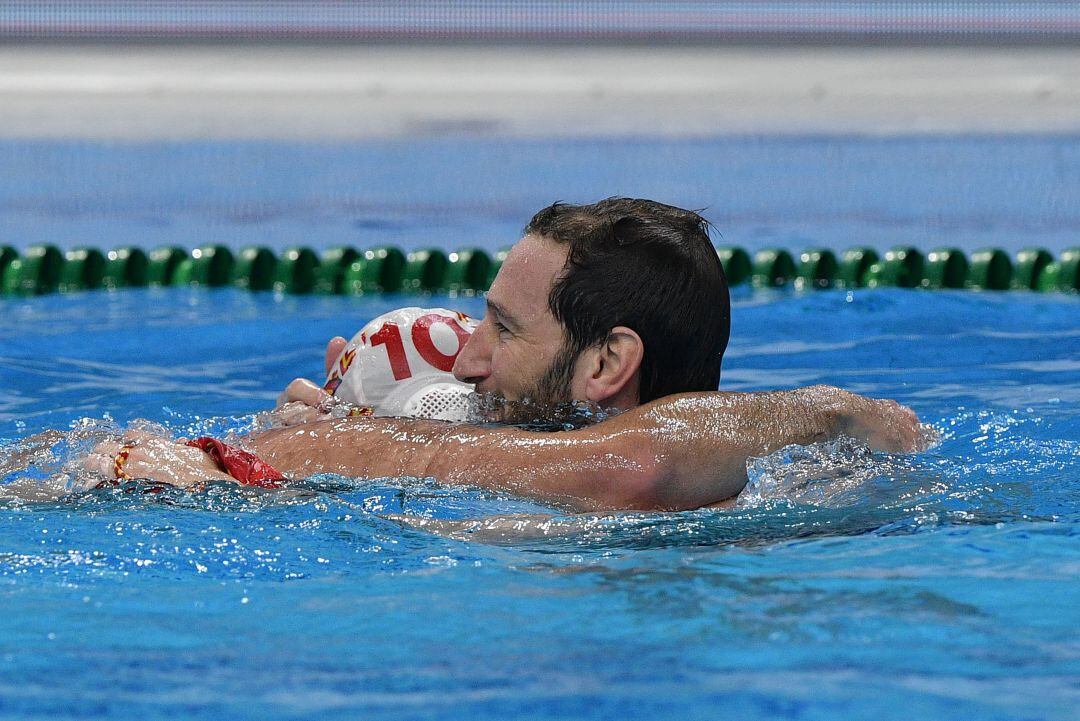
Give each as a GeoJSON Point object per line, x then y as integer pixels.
{"type": "Point", "coordinates": [330, 275]}
{"type": "Point", "coordinates": [737, 265]}
{"type": "Point", "coordinates": [378, 270]}
{"type": "Point", "coordinates": [945, 268]}
{"type": "Point", "coordinates": [901, 267]}
{"type": "Point", "coordinates": [855, 265]}
{"type": "Point", "coordinates": [35, 272]}
{"type": "Point", "coordinates": [126, 268]}
{"type": "Point", "coordinates": [425, 271]}
{"type": "Point", "coordinates": [296, 271]}
{"type": "Point", "coordinates": [467, 271]}
{"type": "Point", "coordinates": [991, 269]}
{"type": "Point", "coordinates": [817, 268]}
{"type": "Point", "coordinates": [210, 265]}
{"type": "Point", "coordinates": [7, 256]}
{"type": "Point", "coordinates": [83, 269]}
{"type": "Point", "coordinates": [1030, 263]}
{"type": "Point", "coordinates": [255, 268]}
{"type": "Point", "coordinates": [1069, 270]}
{"type": "Point", "coordinates": [45, 269]}
{"type": "Point", "coordinates": [163, 263]}
{"type": "Point", "coordinates": [773, 267]}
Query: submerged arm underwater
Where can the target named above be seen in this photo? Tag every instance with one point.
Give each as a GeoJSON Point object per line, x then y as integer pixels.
{"type": "Point", "coordinates": [679, 452]}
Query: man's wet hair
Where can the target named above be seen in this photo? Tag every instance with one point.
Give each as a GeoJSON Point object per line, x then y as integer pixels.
{"type": "Point", "coordinates": [652, 268]}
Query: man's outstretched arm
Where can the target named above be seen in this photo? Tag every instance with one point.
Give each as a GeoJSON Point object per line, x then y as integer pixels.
{"type": "Point", "coordinates": [678, 452]}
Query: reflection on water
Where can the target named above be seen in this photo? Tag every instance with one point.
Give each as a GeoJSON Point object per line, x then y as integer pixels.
{"type": "Point", "coordinates": [845, 583]}
{"type": "Point", "coordinates": [839, 487]}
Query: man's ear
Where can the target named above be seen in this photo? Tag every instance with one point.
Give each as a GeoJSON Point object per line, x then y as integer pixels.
{"type": "Point", "coordinates": [615, 373]}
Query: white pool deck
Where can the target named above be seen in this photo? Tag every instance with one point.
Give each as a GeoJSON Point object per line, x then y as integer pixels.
{"type": "Point", "coordinates": [337, 92]}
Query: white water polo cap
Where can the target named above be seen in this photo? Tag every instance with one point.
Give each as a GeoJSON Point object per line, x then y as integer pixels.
{"type": "Point", "coordinates": [400, 364]}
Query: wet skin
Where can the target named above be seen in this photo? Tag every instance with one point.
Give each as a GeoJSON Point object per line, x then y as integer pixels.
{"type": "Point", "coordinates": [678, 452]}
{"type": "Point", "coordinates": [518, 338]}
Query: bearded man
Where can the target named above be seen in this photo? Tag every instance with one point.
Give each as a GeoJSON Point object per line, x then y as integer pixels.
{"type": "Point", "coordinates": [621, 304]}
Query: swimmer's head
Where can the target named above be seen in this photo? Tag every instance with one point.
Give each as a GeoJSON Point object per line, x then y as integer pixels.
{"type": "Point", "coordinates": [399, 365]}
{"type": "Point", "coordinates": [615, 303]}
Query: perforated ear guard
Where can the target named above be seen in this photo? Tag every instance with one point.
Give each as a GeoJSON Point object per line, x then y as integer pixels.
{"type": "Point", "coordinates": [439, 401]}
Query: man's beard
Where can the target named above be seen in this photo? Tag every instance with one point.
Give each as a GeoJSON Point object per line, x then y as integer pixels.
{"type": "Point", "coordinates": [547, 405]}
{"type": "Point", "coordinates": [553, 388]}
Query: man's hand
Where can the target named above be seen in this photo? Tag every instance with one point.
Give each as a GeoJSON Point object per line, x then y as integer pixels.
{"type": "Point", "coordinates": [304, 401]}
{"type": "Point", "coordinates": [880, 423]}
{"type": "Point", "coordinates": [157, 459]}
{"type": "Point", "coordinates": [301, 390]}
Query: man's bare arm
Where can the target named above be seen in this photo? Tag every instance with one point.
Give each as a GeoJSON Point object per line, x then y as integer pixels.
{"type": "Point", "coordinates": [678, 452]}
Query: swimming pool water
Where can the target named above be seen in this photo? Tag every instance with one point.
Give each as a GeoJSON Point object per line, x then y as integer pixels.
{"type": "Point", "coordinates": [936, 585]}
{"type": "Point", "coordinates": [1008, 191]}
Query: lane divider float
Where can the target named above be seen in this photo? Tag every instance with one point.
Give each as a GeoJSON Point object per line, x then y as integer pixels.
{"type": "Point", "coordinates": [44, 269]}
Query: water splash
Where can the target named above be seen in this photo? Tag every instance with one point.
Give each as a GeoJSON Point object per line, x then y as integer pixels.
{"type": "Point", "coordinates": [836, 488]}
{"type": "Point", "coordinates": [533, 415]}
{"type": "Point", "coordinates": [49, 465]}
{"type": "Point", "coordinates": [838, 473]}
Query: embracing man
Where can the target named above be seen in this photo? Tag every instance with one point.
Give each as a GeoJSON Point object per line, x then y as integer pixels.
{"type": "Point", "coordinates": [622, 303]}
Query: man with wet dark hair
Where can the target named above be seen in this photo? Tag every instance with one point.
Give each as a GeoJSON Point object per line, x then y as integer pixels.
{"type": "Point", "coordinates": [646, 266]}
{"type": "Point", "coordinates": [621, 303]}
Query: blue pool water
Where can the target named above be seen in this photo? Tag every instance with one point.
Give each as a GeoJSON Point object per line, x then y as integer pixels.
{"type": "Point", "coordinates": [940, 585]}
{"type": "Point", "coordinates": [927, 191]}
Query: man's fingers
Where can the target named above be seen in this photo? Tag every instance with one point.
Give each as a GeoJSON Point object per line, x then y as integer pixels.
{"type": "Point", "coordinates": [103, 455]}
{"type": "Point", "coordinates": [304, 391]}
{"type": "Point", "coordinates": [296, 386]}
{"type": "Point", "coordinates": [883, 424]}
{"type": "Point", "coordinates": [333, 350]}
{"type": "Point", "coordinates": [99, 463]}
{"type": "Point", "coordinates": [155, 458]}
{"type": "Point", "coordinates": [912, 432]}
{"type": "Point", "coordinates": [106, 448]}
{"type": "Point", "coordinates": [904, 424]}
{"type": "Point", "coordinates": [158, 456]}
{"type": "Point", "coordinates": [295, 413]}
